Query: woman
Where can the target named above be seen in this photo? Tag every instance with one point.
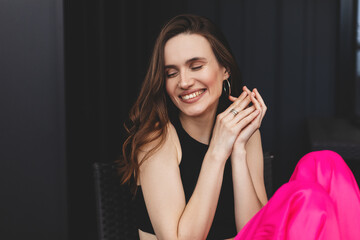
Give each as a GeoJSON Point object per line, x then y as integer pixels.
{"type": "Point", "coordinates": [190, 66]}
{"type": "Point", "coordinates": [194, 151]}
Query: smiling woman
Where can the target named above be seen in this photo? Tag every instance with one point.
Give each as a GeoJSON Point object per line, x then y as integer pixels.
{"type": "Point", "coordinates": [185, 127]}
{"type": "Point", "coordinates": [194, 153]}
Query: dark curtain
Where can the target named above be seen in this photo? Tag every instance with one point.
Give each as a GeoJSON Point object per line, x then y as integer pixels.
{"type": "Point", "coordinates": [287, 49]}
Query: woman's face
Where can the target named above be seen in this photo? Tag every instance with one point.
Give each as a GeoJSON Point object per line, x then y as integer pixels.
{"type": "Point", "coordinates": [193, 75]}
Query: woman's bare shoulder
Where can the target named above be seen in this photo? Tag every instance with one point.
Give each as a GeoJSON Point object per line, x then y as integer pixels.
{"type": "Point", "coordinates": [175, 140]}
{"type": "Point", "coordinates": [169, 149]}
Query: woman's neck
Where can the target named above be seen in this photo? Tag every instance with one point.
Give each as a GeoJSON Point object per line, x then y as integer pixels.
{"type": "Point", "coordinates": [199, 128]}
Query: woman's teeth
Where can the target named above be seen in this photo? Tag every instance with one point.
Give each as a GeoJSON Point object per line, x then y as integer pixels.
{"type": "Point", "coordinates": [192, 95]}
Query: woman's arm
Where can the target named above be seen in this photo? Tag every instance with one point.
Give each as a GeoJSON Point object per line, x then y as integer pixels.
{"type": "Point", "coordinates": [161, 183]}
{"type": "Point", "coordinates": [248, 183]}
{"type": "Point", "coordinates": [247, 167]}
{"type": "Point", "coordinates": [255, 163]}
{"type": "Point", "coordinates": [164, 196]}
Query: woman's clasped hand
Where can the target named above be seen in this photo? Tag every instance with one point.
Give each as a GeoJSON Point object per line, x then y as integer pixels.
{"type": "Point", "coordinates": [238, 122]}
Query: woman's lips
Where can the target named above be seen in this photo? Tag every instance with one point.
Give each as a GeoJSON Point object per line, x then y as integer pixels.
{"type": "Point", "coordinates": [192, 97]}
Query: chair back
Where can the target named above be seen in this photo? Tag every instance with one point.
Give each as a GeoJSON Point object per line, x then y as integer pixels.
{"type": "Point", "coordinates": [115, 207]}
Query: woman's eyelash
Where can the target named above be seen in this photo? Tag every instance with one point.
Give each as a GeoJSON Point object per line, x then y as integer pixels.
{"type": "Point", "coordinates": [196, 67]}
{"type": "Point", "coordinates": [171, 74]}
{"type": "Point", "coordinates": [192, 68]}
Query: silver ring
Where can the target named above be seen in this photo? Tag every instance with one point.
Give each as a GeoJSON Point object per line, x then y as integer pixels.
{"type": "Point", "coordinates": [234, 112]}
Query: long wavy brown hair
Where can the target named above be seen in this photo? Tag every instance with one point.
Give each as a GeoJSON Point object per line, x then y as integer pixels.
{"type": "Point", "coordinates": [153, 108]}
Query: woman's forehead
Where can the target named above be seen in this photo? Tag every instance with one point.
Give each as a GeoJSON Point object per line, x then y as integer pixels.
{"type": "Point", "coordinates": [183, 47]}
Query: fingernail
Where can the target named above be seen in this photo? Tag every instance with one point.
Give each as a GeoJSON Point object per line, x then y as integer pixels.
{"type": "Point", "coordinates": [253, 94]}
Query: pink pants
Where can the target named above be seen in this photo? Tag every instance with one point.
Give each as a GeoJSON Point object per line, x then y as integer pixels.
{"type": "Point", "coordinates": [320, 202]}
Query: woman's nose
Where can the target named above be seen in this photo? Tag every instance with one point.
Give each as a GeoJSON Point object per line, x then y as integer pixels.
{"type": "Point", "coordinates": [185, 81]}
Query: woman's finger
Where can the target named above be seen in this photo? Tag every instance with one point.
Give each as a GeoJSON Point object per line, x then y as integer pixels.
{"type": "Point", "coordinates": [263, 106]}
{"type": "Point", "coordinates": [258, 96]}
{"type": "Point", "coordinates": [233, 99]}
{"type": "Point", "coordinates": [243, 114]}
{"type": "Point", "coordinates": [235, 109]}
{"type": "Point", "coordinates": [249, 129]}
{"type": "Point", "coordinates": [246, 90]}
{"type": "Point", "coordinates": [247, 120]}
{"type": "Point", "coordinates": [259, 107]}
{"type": "Point", "coordinates": [239, 104]}
{"type": "Point", "coordinates": [255, 101]}
{"type": "Point", "coordinates": [240, 98]}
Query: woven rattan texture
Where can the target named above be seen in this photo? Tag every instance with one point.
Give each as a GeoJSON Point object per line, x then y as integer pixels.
{"type": "Point", "coordinates": [115, 208]}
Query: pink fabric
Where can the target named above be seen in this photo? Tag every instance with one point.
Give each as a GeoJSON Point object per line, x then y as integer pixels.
{"type": "Point", "coordinates": [320, 202]}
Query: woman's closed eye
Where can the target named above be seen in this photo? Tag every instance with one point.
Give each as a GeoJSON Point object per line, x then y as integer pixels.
{"type": "Point", "coordinates": [171, 74]}
{"type": "Point", "coordinates": [196, 67]}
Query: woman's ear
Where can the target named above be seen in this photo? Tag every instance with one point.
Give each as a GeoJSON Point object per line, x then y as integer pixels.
{"type": "Point", "coordinates": [226, 73]}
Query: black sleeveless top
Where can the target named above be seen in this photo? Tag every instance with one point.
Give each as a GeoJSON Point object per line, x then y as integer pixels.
{"type": "Point", "coordinates": [193, 153]}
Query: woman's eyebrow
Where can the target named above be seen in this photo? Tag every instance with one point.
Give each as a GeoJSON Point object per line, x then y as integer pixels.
{"type": "Point", "coordinates": [188, 61]}
{"type": "Point", "coordinates": [195, 59]}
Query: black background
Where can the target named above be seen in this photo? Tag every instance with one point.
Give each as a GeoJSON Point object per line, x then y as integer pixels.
{"type": "Point", "coordinates": [70, 71]}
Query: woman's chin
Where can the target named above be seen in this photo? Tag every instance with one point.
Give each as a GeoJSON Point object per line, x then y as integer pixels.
{"type": "Point", "coordinates": [195, 113]}
{"type": "Point", "coordinates": [198, 110]}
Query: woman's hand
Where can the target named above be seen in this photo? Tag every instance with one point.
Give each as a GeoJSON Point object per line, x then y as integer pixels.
{"type": "Point", "coordinates": [247, 131]}
{"type": "Point", "coordinates": [230, 124]}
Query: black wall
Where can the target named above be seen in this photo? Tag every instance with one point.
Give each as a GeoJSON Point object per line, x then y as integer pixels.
{"type": "Point", "coordinates": [33, 202]}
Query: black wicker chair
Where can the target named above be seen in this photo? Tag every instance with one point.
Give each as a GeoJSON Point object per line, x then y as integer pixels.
{"type": "Point", "coordinates": [115, 208]}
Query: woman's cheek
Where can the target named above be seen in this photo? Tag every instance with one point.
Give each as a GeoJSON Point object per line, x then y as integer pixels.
{"type": "Point", "coordinates": [170, 87]}
{"type": "Point", "coordinates": [214, 82]}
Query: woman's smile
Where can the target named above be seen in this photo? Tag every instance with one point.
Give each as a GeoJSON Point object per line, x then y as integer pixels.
{"type": "Point", "coordinates": [192, 96]}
